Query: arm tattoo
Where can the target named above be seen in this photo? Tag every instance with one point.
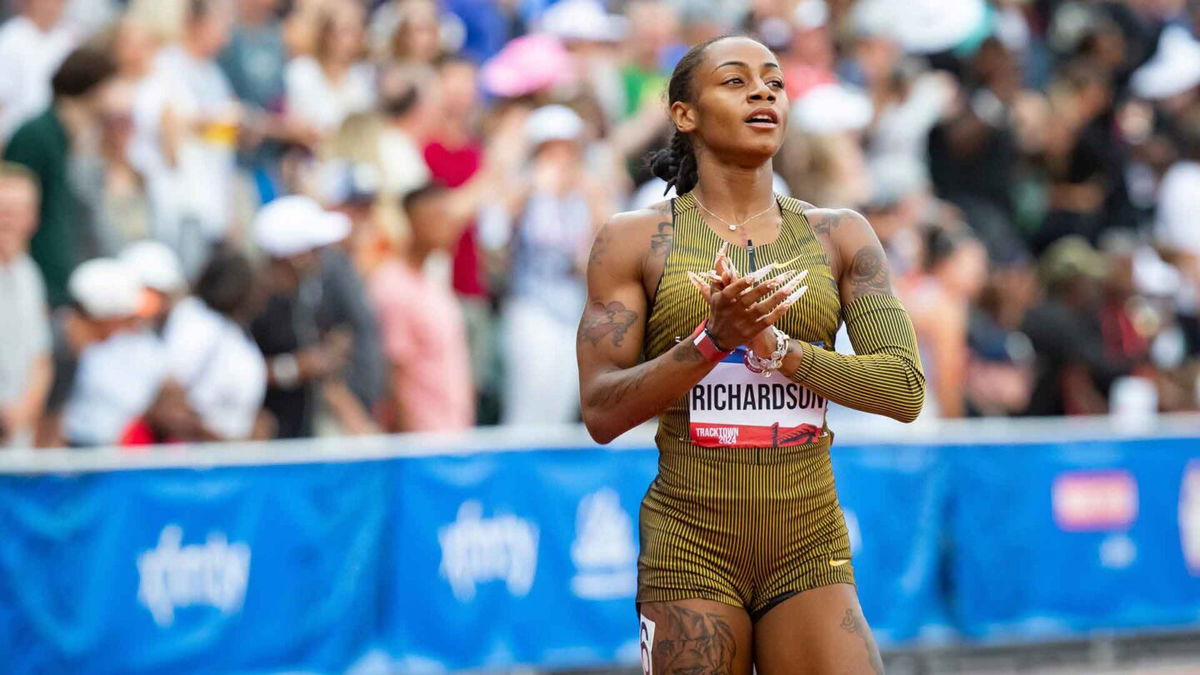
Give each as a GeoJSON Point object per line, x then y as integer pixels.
{"type": "Point", "coordinates": [660, 243]}
{"type": "Point", "coordinates": [823, 225]}
{"type": "Point", "coordinates": [600, 245]}
{"type": "Point", "coordinates": [616, 392]}
{"type": "Point", "coordinates": [694, 642]}
{"type": "Point", "coordinates": [854, 623]}
{"type": "Point", "coordinates": [602, 320]}
{"type": "Point", "coordinates": [869, 273]}
{"type": "Point", "coordinates": [688, 353]}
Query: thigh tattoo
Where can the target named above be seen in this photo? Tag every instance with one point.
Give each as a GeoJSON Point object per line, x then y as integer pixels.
{"type": "Point", "coordinates": [854, 623]}
{"type": "Point", "coordinates": [691, 642]}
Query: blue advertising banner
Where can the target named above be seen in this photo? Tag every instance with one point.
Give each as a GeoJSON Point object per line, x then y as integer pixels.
{"type": "Point", "coordinates": [517, 558]}
{"type": "Point", "coordinates": [231, 568]}
{"type": "Point", "coordinates": [894, 498]}
{"type": "Point", "coordinates": [529, 557]}
{"type": "Point", "coordinates": [1050, 540]}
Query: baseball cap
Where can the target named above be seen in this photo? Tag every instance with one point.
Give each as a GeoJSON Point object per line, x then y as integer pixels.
{"type": "Point", "coordinates": [832, 109]}
{"type": "Point", "coordinates": [156, 266]}
{"type": "Point", "coordinates": [553, 123]}
{"type": "Point", "coordinates": [526, 65]}
{"type": "Point", "coordinates": [1072, 257]}
{"type": "Point", "coordinates": [107, 289]}
{"type": "Point", "coordinates": [1174, 69]}
{"type": "Point", "coordinates": [297, 224]}
{"type": "Point", "coordinates": [583, 21]}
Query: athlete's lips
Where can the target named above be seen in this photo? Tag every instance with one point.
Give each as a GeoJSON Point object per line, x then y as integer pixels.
{"type": "Point", "coordinates": [766, 118]}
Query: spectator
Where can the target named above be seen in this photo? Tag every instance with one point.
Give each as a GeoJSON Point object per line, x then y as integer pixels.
{"type": "Point", "coordinates": [1073, 372]}
{"type": "Point", "coordinates": [939, 301]}
{"type": "Point", "coordinates": [160, 273]}
{"type": "Point", "coordinates": [303, 365]}
{"type": "Point", "coordinates": [345, 309]}
{"type": "Point", "coordinates": [653, 29]}
{"type": "Point", "coordinates": [556, 218]}
{"type": "Point", "coordinates": [334, 83]}
{"type": "Point", "coordinates": [25, 365]}
{"type": "Point", "coordinates": [38, 40]}
{"type": "Point", "coordinates": [187, 126]}
{"type": "Point", "coordinates": [81, 100]}
{"type": "Point", "coordinates": [121, 367]}
{"type": "Point", "coordinates": [416, 38]}
{"type": "Point", "coordinates": [424, 335]}
{"type": "Point", "coordinates": [211, 354]}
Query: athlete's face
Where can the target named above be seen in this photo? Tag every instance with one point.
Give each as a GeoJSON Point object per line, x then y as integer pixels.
{"type": "Point", "coordinates": [741, 108]}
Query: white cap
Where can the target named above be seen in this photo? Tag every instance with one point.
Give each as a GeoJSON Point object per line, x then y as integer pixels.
{"type": "Point", "coordinates": [156, 266]}
{"type": "Point", "coordinates": [832, 109]}
{"type": "Point", "coordinates": [553, 123]}
{"type": "Point", "coordinates": [106, 289]}
{"type": "Point", "coordinates": [810, 14]}
{"type": "Point", "coordinates": [296, 224]}
{"type": "Point", "coordinates": [1174, 69]}
{"type": "Point", "coordinates": [583, 20]}
{"type": "Point", "coordinates": [922, 26]}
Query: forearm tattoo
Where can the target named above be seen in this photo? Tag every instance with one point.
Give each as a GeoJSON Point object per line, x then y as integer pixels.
{"type": "Point", "coordinates": [854, 623]}
{"type": "Point", "coordinates": [693, 642]}
{"type": "Point", "coordinates": [604, 320]}
{"type": "Point", "coordinates": [616, 391]}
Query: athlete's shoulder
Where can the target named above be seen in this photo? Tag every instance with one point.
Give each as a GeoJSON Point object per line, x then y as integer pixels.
{"type": "Point", "coordinates": [628, 222]}
{"type": "Point", "coordinates": [836, 223]}
{"type": "Point", "coordinates": [623, 241]}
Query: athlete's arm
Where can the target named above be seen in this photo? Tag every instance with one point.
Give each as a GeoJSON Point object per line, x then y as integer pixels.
{"type": "Point", "coordinates": [885, 377]}
{"type": "Point", "coordinates": [617, 392]}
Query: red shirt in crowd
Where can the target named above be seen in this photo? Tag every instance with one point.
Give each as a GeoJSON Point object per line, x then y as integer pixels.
{"type": "Point", "coordinates": [453, 167]}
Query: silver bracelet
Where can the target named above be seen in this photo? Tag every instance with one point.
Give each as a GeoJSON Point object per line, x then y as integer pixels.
{"type": "Point", "coordinates": [765, 367]}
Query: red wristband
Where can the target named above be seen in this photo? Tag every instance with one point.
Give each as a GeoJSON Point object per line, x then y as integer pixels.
{"type": "Point", "coordinates": [708, 348]}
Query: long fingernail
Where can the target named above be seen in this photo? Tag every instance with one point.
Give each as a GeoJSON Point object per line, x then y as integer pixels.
{"type": "Point", "coordinates": [791, 299]}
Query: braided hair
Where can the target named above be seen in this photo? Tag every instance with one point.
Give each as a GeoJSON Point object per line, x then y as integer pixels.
{"type": "Point", "coordinates": [676, 163]}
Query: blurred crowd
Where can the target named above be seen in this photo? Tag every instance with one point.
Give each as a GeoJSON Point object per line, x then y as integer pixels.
{"type": "Point", "coordinates": [236, 219]}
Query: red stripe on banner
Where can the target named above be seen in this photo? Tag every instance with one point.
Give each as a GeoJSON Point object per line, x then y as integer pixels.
{"type": "Point", "coordinates": [737, 435]}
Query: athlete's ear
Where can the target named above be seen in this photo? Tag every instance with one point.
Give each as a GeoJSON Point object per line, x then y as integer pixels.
{"type": "Point", "coordinates": [683, 115]}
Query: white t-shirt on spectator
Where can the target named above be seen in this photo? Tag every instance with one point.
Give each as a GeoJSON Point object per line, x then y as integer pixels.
{"type": "Point", "coordinates": [115, 383]}
{"type": "Point", "coordinates": [312, 98]}
{"type": "Point", "coordinates": [1178, 222]}
{"type": "Point", "coordinates": [221, 368]}
{"type": "Point", "coordinates": [30, 59]}
{"type": "Point", "coordinates": [26, 332]}
{"type": "Point", "coordinates": [199, 188]}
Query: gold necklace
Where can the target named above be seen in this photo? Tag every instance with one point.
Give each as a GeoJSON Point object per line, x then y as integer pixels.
{"type": "Point", "coordinates": [732, 226]}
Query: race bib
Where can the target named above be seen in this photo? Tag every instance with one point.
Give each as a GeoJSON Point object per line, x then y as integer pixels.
{"type": "Point", "coordinates": [736, 407]}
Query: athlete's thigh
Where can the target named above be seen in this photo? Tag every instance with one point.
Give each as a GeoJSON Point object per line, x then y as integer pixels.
{"type": "Point", "coordinates": [819, 631]}
{"type": "Point", "coordinates": [695, 637]}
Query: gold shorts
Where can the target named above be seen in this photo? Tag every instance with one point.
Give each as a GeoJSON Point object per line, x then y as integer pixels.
{"type": "Point", "coordinates": [748, 527]}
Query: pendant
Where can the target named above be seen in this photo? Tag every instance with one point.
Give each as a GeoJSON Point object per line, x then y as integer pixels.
{"type": "Point", "coordinates": [733, 228]}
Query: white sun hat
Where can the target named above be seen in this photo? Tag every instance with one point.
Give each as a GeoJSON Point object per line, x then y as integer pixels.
{"type": "Point", "coordinates": [833, 109]}
{"type": "Point", "coordinates": [156, 265]}
{"type": "Point", "coordinates": [1174, 69]}
{"type": "Point", "coordinates": [296, 224]}
{"type": "Point", "coordinates": [106, 289]}
{"type": "Point", "coordinates": [553, 123]}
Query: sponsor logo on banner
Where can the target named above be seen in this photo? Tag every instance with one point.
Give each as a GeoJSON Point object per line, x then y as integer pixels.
{"type": "Point", "coordinates": [1117, 551]}
{"type": "Point", "coordinates": [213, 574]}
{"type": "Point", "coordinates": [735, 407]}
{"type": "Point", "coordinates": [477, 550]}
{"type": "Point", "coordinates": [604, 552]}
{"type": "Point", "coordinates": [1189, 516]}
{"type": "Point", "coordinates": [1095, 501]}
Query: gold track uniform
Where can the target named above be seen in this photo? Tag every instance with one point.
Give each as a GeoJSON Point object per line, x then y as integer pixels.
{"type": "Point", "coordinates": [744, 510]}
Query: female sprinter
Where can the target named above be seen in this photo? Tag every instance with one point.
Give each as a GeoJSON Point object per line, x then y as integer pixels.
{"type": "Point", "coordinates": [745, 560]}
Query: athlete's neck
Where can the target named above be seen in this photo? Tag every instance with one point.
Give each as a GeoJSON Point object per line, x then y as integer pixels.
{"type": "Point", "coordinates": [734, 193]}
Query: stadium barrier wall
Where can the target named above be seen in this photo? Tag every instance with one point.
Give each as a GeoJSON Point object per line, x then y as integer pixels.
{"type": "Point", "coordinates": [428, 554]}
